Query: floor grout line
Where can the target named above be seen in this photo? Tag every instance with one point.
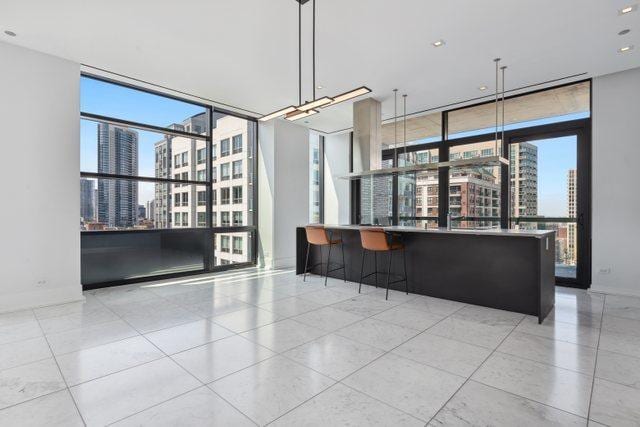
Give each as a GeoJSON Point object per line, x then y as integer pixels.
{"type": "Point", "coordinates": [595, 365]}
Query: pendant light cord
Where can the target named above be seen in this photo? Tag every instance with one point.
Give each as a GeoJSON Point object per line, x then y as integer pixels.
{"type": "Point", "coordinates": [497, 61]}
{"type": "Point", "coordinates": [502, 137]}
{"type": "Point", "coordinates": [314, 49]}
{"type": "Point", "coordinates": [299, 53]}
{"type": "Point", "coordinates": [404, 131]}
{"type": "Point", "coordinates": [395, 127]}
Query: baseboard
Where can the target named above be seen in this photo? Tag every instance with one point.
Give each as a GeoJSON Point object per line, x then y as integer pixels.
{"type": "Point", "coordinates": [289, 262]}
{"type": "Point", "coordinates": [614, 290]}
{"type": "Point", "coordinates": [30, 300]}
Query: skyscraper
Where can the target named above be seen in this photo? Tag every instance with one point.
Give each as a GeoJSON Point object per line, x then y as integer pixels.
{"type": "Point", "coordinates": [87, 192]}
{"type": "Point", "coordinates": [571, 208]}
{"type": "Point", "coordinates": [117, 154]}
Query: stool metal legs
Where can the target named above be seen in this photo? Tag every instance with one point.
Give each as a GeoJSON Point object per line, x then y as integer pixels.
{"type": "Point", "coordinates": [327, 270]}
{"type": "Point", "coordinates": [375, 273]}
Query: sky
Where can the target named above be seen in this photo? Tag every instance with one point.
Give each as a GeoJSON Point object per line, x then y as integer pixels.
{"type": "Point", "coordinates": [555, 156]}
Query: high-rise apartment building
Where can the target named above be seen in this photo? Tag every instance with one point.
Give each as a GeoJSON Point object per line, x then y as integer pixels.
{"type": "Point", "coordinates": [87, 202]}
{"type": "Point", "coordinates": [523, 167]}
{"type": "Point", "coordinates": [185, 205]}
{"type": "Point", "coordinates": [571, 227]}
{"type": "Point", "coordinates": [117, 154]}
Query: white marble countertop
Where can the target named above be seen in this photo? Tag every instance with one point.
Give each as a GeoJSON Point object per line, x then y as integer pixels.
{"type": "Point", "coordinates": [478, 232]}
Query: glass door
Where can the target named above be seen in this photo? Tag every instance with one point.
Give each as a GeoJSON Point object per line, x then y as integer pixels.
{"type": "Point", "coordinates": [547, 191]}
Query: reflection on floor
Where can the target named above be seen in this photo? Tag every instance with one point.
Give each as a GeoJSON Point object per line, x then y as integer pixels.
{"type": "Point", "coordinates": [257, 347]}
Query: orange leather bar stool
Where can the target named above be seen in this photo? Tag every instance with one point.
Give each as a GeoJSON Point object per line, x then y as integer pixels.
{"type": "Point", "coordinates": [378, 240]}
{"type": "Point", "coordinates": [320, 236]}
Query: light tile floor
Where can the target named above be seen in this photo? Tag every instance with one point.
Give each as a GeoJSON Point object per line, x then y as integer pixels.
{"type": "Point", "coordinates": [255, 347]}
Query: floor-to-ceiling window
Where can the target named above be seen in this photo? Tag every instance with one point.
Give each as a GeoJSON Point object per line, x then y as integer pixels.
{"type": "Point", "coordinates": [316, 178]}
{"type": "Point", "coordinates": [545, 185]}
{"type": "Point", "coordinates": [155, 170]}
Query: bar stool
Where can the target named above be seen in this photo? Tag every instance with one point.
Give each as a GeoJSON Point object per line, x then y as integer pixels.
{"type": "Point", "coordinates": [320, 236]}
{"type": "Point", "coordinates": [377, 240]}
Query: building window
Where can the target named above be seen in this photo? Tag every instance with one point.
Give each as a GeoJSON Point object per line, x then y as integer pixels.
{"type": "Point", "coordinates": [214, 151]}
{"type": "Point", "coordinates": [214, 174]}
{"type": "Point", "coordinates": [237, 194]}
{"type": "Point", "coordinates": [202, 198]}
{"type": "Point", "coordinates": [176, 161]}
{"type": "Point", "coordinates": [224, 219]}
{"type": "Point", "coordinates": [237, 245]}
{"type": "Point", "coordinates": [224, 147]}
{"type": "Point", "coordinates": [185, 199]}
{"type": "Point", "coordinates": [214, 219]}
{"type": "Point", "coordinates": [202, 156]}
{"type": "Point", "coordinates": [201, 175]}
{"type": "Point", "coordinates": [185, 159]}
{"type": "Point", "coordinates": [176, 200]}
{"type": "Point", "coordinates": [202, 219]}
{"type": "Point", "coordinates": [225, 196]}
{"type": "Point", "coordinates": [237, 169]}
{"type": "Point", "coordinates": [214, 197]}
{"type": "Point", "coordinates": [224, 172]}
{"type": "Point", "coordinates": [224, 244]}
{"type": "Point", "coordinates": [237, 144]}
{"type": "Point", "coordinates": [185, 219]}
{"type": "Point", "coordinates": [237, 218]}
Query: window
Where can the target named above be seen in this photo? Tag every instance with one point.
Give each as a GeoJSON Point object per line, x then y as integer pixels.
{"type": "Point", "coordinates": [202, 156]}
{"type": "Point", "coordinates": [225, 196]}
{"type": "Point", "coordinates": [237, 169]}
{"type": "Point", "coordinates": [185, 199]}
{"type": "Point", "coordinates": [224, 243]}
{"type": "Point", "coordinates": [214, 219]}
{"type": "Point", "coordinates": [185, 159]}
{"type": "Point", "coordinates": [237, 218]}
{"type": "Point", "coordinates": [237, 144]}
{"type": "Point", "coordinates": [202, 198]}
{"type": "Point", "coordinates": [214, 151]}
{"type": "Point", "coordinates": [315, 184]}
{"type": "Point", "coordinates": [214, 197]}
{"type": "Point", "coordinates": [237, 194]}
{"type": "Point", "coordinates": [185, 176]}
{"type": "Point", "coordinates": [224, 219]}
{"type": "Point", "coordinates": [224, 147]}
{"type": "Point", "coordinates": [237, 245]}
{"type": "Point", "coordinates": [224, 172]}
{"type": "Point", "coordinates": [185, 219]}
{"type": "Point", "coordinates": [202, 219]}
{"type": "Point", "coordinates": [176, 161]}
{"type": "Point", "coordinates": [176, 200]}
{"type": "Point", "coordinates": [214, 174]}
{"type": "Point", "coordinates": [201, 175]}
{"type": "Point", "coordinates": [176, 218]}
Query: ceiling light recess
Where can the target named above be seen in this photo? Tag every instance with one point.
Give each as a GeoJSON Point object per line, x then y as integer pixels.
{"type": "Point", "coordinates": [628, 9]}
{"type": "Point", "coordinates": [438, 43]}
{"type": "Point", "coordinates": [482, 88]}
{"type": "Point", "coordinates": [10, 33]}
{"type": "Point", "coordinates": [308, 108]}
{"type": "Point", "coordinates": [625, 49]}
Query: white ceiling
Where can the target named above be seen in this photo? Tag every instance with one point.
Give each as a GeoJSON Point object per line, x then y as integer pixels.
{"type": "Point", "coordinates": [244, 53]}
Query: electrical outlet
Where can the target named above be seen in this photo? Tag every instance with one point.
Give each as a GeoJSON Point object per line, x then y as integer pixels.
{"type": "Point", "coordinates": [604, 270]}
{"type": "Point", "coordinates": [41, 283]}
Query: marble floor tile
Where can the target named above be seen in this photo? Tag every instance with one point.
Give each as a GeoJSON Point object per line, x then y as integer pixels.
{"type": "Point", "coordinates": [26, 382]}
{"type": "Point", "coordinates": [364, 305]}
{"type": "Point", "coordinates": [622, 306]}
{"type": "Point", "coordinates": [16, 317]}
{"type": "Point", "coordinates": [570, 315]}
{"type": "Point", "coordinates": [85, 365]}
{"type": "Point", "coordinates": [216, 307]}
{"type": "Point", "coordinates": [175, 289]}
{"type": "Point", "coordinates": [289, 307]}
{"type": "Point", "coordinates": [553, 386]}
{"type": "Point", "coordinates": [557, 353]}
{"type": "Point", "coordinates": [326, 296]}
{"type": "Point", "coordinates": [111, 398]}
{"type": "Point", "coordinates": [20, 331]}
{"type": "Point", "coordinates": [121, 294]}
{"type": "Point", "coordinates": [403, 315]}
{"type": "Point", "coordinates": [442, 353]}
{"type": "Point", "coordinates": [621, 325]}
{"type": "Point", "coordinates": [376, 333]}
{"type": "Point", "coordinates": [398, 297]}
{"type": "Point", "coordinates": [246, 319]}
{"type": "Point", "coordinates": [223, 357]}
{"type": "Point", "coordinates": [195, 408]}
{"type": "Point", "coordinates": [76, 320]}
{"type": "Point", "coordinates": [343, 406]}
{"type": "Point", "coordinates": [589, 304]}
{"type": "Point", "coordinates": [620, 342]}
{"type": "Point", "coordinates": [412, 387]}
{"type": "Point", "coordinates": [560, 331]}
{"type": "Point", "coordinates": [479, 405]}
{"type": "Point", "coordinates": [271, 388]}
{"type": "Point", "coordinates": [53, 410]}
{"type": "Point", "coordinates": [200, 296]}
{"type": "Point", "coordinates": [283, 335]}
{"type": "Point", "coordinates": [334, 356]}
{"type": "Point", "coordinates": [90, 303]}
{"type": "Point", "coordinates": [23, 352]}
{"type": "Point", "coordinates": [297, 289]}
{"type": "Point", "coordinates": [618, 368]}
{"type": "Point", "coordinates": [615, 404]}
{"type": "Point", "coordinates": [152, 315]}
{"type": "Point", "coordinates": [186, 336]}
{"type": "Point", "coordinates": [476, 333]}
{"type": "Point", "coordinates": [90, 336]}
{"type": "Point", "coordinates": [261, 296]}
{"type": "Point", "coordinates": [434, 305]}
{"type": "Point", "coordinates": [328, 318]}
{"type": "Point", "coordinates": [488, 316]}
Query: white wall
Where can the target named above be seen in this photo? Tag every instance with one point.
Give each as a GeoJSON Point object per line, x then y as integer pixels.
{"type": "Point", "coordinates": [616, 201]}
{"type": "Point", "coordinates": [40, 175]}
{"type": "Point", "coordinates": [336, 190]}
{"type": "Point", "coordinates": [283, 190]}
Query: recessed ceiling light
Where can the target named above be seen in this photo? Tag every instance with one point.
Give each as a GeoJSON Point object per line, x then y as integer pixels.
{"type": "Point", "coordinates": [438, 43]}
{"type": "Point", "coordinates": [482, 88]}
{"type": "Point", "coordinates": [10, 33]}
{"type": "Point", "coordinates": [319, 87]}
{"type": "Point", "coordinates": [625, 49]}
{"type": "Point", "coordinates": [628, 9]}
{"type": "Point", "coordinates": [623, 32]}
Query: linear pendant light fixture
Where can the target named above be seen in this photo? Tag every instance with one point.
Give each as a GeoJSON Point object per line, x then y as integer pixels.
{"type": "Point", "coordinates": [309, 108]}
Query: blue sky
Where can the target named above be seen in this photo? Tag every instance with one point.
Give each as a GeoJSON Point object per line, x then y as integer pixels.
{"type": "Point", "coordinates": [555, 156]}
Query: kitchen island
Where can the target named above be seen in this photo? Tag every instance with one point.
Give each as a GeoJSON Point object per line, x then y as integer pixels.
{"type": "Point", "coordinates": [505, 269]}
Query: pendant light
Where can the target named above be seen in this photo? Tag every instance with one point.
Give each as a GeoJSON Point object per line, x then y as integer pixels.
{"type": "Point", "coordinates": [306, 109]}
{"type": "Point", "coordinates": [404, 128]}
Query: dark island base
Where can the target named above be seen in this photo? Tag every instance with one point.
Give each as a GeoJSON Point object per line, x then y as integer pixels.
{"type": "Point", "coordinates": [514, 273]}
